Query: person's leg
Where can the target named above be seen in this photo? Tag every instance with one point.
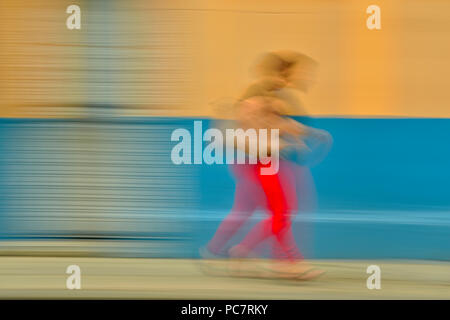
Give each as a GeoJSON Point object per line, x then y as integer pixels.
{"type": "Point", "coordinates": [278, 224]}
{"type": "Point", "coordinates": [257, 235]}
{"type": "Point", "coordinates": [289, 180]}
{"type": "Point", "coordinates": [243, 208]}
{"type": "Point", "coordinates": [285, 251]}
{"type": "Point", "coordinates": [246, 199]}
{"type": "Point", "coordinates": [285, 248]}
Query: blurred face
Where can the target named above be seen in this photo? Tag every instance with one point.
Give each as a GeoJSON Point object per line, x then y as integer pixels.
{"type": "Point", "coordinates": [302, 77]}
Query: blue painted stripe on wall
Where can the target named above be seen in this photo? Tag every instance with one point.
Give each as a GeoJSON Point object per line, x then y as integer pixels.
{"type": "Point", "coordinates": [383, 189]}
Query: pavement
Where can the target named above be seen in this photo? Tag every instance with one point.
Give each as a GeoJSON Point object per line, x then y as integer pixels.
{"type": "Point", "coordinates": [123, 278]}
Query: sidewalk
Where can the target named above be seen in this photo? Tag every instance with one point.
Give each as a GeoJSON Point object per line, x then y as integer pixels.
{"type": "Point", "coordinates": [45, 277]}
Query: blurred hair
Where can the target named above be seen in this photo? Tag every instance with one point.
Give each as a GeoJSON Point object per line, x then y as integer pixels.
{"type": "Point", "coordinates": [272, 70]}
{"type": "Point", "coordinates": [278, 63]}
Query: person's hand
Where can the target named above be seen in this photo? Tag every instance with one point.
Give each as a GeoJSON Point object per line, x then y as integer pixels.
{"type": "Point", "coordinates": [295, 128]}
{"type": "Point", "coordinates": [297, 143]}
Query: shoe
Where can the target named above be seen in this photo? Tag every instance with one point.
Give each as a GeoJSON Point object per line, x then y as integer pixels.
{"type": "Point", "coordinates": [294, 270]}
{"type": "Point", "coordinates": [205, 253]}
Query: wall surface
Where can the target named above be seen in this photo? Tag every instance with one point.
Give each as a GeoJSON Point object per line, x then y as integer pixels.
{"type": "Point", "coordinates": [382, 191]}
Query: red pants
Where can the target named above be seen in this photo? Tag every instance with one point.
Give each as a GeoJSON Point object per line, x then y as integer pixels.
{"type": "Point", "coordinates": [277, 194]}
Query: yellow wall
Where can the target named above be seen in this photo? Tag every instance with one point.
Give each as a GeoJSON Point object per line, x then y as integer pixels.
{"type": "Point", "coordinates": [401, 70]}
{"type": "Point", "coordinates": [39, 67]}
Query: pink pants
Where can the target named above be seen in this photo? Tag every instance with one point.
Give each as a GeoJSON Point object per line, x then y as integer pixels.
{"type": "Point", "coordinates": [275, 193]}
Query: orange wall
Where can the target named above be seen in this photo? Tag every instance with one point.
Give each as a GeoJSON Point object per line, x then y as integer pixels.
{"type": "Point", "coordinates": [401, 70]}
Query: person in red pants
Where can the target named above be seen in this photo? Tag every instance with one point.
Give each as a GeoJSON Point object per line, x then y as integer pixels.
{"type": "Point", "coordinates": [263, 106]}
{"type": "Point", "coordinates": [274, 192]}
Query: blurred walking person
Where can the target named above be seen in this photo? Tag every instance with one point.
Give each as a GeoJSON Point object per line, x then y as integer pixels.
{"type": "Point", "coordinates": [264, 105]}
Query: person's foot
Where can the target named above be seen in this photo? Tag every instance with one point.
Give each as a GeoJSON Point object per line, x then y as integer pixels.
{"type": "Point", "coordinates": [210, 263]}
{"type": "Point", "coordinates": [243, 263]}
{"type": "Point", "coordinates": [313, 273]}
{"type": "Point", "coordinates": [299, 270]}
{"type": "Point", "coordinates": [238, 252]}
{"type": "Point", "coordinates": [205, 253]}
